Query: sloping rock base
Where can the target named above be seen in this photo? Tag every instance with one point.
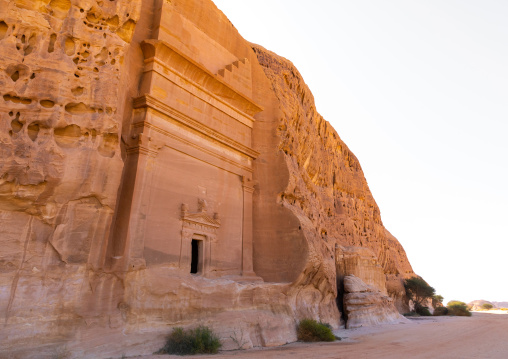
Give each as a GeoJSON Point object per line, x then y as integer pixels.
{"type": "Point", "coordinates": [366, 305]}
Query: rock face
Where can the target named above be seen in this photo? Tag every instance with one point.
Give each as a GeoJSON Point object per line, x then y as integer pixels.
{"type": "Point", "coordinates": [362, 263]}
{"type": "Point", "coordinates": [365, 305]}
{"type": "Point", "coordinates": [157, 170]}
{"type": "Point", "coordinates": [500, 304]}
{"type": "Point", "coordinates": [325, 188]}
{"type": "Point", "coordinates": [478, 304]}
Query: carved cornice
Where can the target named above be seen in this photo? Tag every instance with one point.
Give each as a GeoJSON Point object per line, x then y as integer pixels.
{"type": "Point", "coordinates": [200, 220]}
{"type": "Point", "coordinates": [191, 144]}
{"type": "Point", "coordinates": [162, 50]}
{"type": "Point", "coordinates": [159, 106]}
{"type": "Point", "coordinates": [177, 79]}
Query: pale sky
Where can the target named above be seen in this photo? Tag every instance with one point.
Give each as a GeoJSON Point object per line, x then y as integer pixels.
{"type": "Point", "coordinates": [418, 90]}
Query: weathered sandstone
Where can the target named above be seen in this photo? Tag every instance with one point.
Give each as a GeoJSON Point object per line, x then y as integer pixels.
{"type": "Point", "coordinates": [325, 187]}
{"type": "Point", "coordinates": [362, 263]}
{"type": "Point", "coordinates": [365, 305]}
{"type": "Point", "coordinates": [157, 170]}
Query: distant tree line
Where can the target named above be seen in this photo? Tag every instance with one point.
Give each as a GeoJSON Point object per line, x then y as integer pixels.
{"type": "Point", "coordinates": [421, 293]}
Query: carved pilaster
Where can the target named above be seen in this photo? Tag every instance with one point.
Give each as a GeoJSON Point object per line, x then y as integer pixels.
{"type": "Point", "coordinates": [247, 261]}
{"type": "Point", "coordinates": [140, 143]}
{"type": "Point", "coordinates": [129, 233]}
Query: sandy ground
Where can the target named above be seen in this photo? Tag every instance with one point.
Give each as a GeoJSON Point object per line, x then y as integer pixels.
{"type": "Point", "coordinates": [492, 311]}
{"type": "Point", "coordinates": [484, 335]}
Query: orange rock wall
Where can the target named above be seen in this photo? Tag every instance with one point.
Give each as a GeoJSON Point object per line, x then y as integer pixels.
{"type": "Point", "coordinates": [64, 78]}
{"type": "Point", "coordinates": [69, 71]}
{"type": "Point", "coordinates": [326, 189]}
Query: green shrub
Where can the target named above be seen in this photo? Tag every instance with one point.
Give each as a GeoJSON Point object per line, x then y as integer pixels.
{"type": "Point", "coordinates": [440, 311]}
{"type": "Point", "coordinates": [411, 314]}
{"type": "Point", "coordinates": [455, 302]}
{"type": "Point", "coordinates": [201, 340]}
{"type": "Point", "coordinates": [487, 306]}
{"type": "Point", "coordinates": [423, 311]}
{"type": "Point", "coordinates": [310, 330]}
{"type": "Point", "coordinates": [458, 308]}
{"type": "Point", "coordinates": [418, 290]}
{"type": "Point", "coordinates": [437, 299]}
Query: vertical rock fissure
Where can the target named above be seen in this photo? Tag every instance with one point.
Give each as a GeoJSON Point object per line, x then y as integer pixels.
{"type": "Point", "coordinates": [340, 298]}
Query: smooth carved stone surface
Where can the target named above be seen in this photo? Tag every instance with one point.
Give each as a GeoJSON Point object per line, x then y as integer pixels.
{"type": "Point", "coordinates": [366, 305]}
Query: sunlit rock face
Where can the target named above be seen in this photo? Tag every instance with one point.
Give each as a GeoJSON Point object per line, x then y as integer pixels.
{"type": "Point", "coordinates": [157, 170]}
{"type": "Point", "coordinates": [63, 82]}
{"type": "Point", "coordinates": [478, 304]}
{"type": "Point", "coordinates": [365, 305]}
{"type": "Point", "coordinates": [324, 187]}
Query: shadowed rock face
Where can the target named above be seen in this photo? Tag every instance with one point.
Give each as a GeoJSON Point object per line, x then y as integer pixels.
{"type": "Point", "coordinates": [94, 259]}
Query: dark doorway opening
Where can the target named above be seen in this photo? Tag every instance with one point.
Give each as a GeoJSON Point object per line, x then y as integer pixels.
{"type": "Point", "coordinates": [340, 297]}
{"type": "Point", "coordinates": [195, 256]}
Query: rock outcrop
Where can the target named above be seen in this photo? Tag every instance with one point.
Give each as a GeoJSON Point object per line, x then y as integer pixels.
{"type": "Point", "coordinates": [478, 304]}
{"type": "Point", "coordinates": [500, 304]}
{"type": "Point", "coordinates": [326, 189]}
{"type": "Point", "coordinates": [365, 305]}
{"type": "Point", "coordinates": [157, 170]}
{"type": "Point", "coordinates": [362, 263]}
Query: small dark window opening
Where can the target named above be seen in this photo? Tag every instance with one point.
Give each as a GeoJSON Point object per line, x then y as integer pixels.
{"type": "Point", "coordinates": [195, 256]}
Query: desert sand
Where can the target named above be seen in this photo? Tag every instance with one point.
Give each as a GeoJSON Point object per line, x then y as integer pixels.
{"type": "Point", "coordinates": [483, 335]}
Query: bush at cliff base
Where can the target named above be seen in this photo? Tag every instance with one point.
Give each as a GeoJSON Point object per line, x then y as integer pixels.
{"type": "Point", "coordinates": [419, 291]}
{"type": "Point", "coordinates": [458, 308]}
{"type": "Point", "coordinates": [200, 340]}
{"type": "Point", "coordinates": [423, 311]}
{"type": "Point", "coordinates": [310, 330]}
{"type": "Point", "coordinates": [440, 311]}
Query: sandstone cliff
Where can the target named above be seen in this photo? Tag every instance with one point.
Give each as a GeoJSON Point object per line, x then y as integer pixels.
{"type": "Point", "coordinates": [82, 269]}
{"type": "Point", "coordinates": [326, 188]}
{"type": "Point", "coordinates": [366, 305]}
{"type": "Point", "coordinates": [63, 82]}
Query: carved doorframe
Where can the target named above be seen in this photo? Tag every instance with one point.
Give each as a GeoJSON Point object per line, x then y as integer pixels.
{"type": "Point", "coordinates": [198, 226]}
